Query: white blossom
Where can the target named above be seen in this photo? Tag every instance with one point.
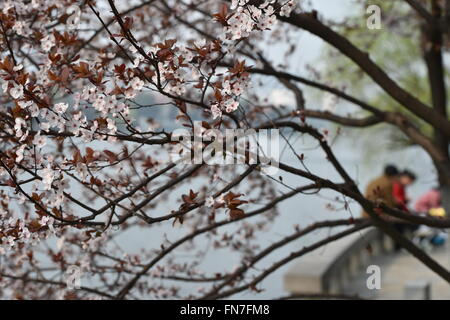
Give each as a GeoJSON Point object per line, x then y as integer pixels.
{"type": "Point", "coordinates": [137, 84]}
{"type": "Point", "coordinates": [39, 140]}
{"type": "Point", "coordinates": [216, 112]}
{"type": "Point", "coordinates": [16, 91]}
{"type": "Point", "coordinates": [209, 202]}
{"type": "Point", "coordinates": [61, 107]}
{"type": "Point", "coordinates": [47, 42]}
{"type": "Point", "coordinates": [48, 175]}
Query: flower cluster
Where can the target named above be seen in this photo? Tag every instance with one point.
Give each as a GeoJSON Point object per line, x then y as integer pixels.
{"type": "Point", "coordinates": [228, 92]}
{"type": "Point", "coordinates": [76, 167]}
{"type": "Point", "coordinates": [248, 18]}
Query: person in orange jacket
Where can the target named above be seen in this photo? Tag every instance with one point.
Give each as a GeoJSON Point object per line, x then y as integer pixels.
{"type": "Point", "coordinates": [381, 189]}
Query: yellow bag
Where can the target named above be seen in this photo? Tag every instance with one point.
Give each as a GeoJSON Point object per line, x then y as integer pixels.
{"type": "Point", "coordinates": [437, 212]}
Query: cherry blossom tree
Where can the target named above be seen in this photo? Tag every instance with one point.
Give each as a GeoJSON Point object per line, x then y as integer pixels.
{"type": "Point", "coordinates": [83, 166]}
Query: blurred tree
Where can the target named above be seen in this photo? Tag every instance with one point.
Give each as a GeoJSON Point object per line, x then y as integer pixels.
{"type": "Point", "coordinates": [411, 47]}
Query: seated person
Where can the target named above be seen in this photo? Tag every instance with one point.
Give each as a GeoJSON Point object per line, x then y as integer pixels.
{"type": "Point", "coordinates": [430, 200]}
{"type": "Point", "coordinates": [404, 180]}
{"type": "Point", "coordinates": [430, 204]}
{"type": "Point", "coordinates": [381, 188]}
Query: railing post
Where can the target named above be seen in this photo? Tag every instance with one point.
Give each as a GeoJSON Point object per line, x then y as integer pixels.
{"type": "Point", "coordinates": [417, 290]}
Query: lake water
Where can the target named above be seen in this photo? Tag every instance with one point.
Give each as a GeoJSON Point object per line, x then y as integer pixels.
{"type": "Point", "coordinates": [301, 210]}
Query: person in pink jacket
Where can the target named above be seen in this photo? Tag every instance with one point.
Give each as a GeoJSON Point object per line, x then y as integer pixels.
{"type": "Point", "coordinates": [428, 201]}
{"type": "Point", "coordinates": [426, 204]}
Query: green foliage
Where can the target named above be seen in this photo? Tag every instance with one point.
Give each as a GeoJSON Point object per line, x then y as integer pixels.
{"type": "Point", "coordinates": [396, 48]}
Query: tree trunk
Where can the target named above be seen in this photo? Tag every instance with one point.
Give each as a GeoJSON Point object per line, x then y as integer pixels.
{"type": "Point", "coordinates": [445, 195]}
{"type": "Point", "coordinates": [432, 47]}
{"type": "Point", "coordinates": [444, 185]}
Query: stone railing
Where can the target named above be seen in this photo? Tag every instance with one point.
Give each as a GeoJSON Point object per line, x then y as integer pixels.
{"type": "Point", "coordinates": [329, 269]}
